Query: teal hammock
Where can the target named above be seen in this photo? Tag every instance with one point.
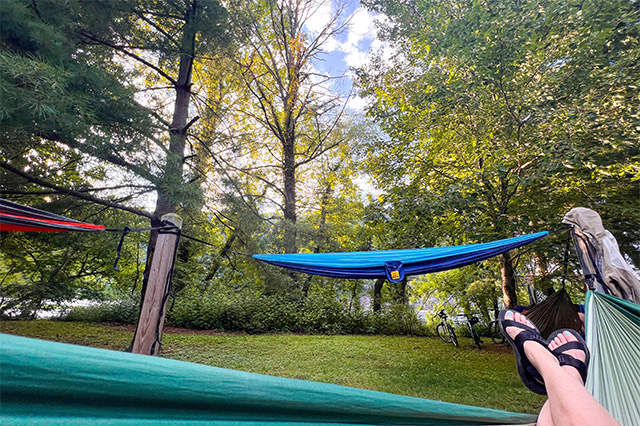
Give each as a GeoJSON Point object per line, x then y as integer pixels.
{"type": "Point", "coordinates": [48, 383]}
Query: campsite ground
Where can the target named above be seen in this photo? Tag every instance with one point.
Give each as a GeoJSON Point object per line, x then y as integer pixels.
{"type": "Point", "coordinates": [417, 366]}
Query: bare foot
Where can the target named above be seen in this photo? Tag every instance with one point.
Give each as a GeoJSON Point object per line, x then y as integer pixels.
{"type": "Point", "coordinates": [578, 354]}
{"type": "Point", "coordinates": [532, 349]}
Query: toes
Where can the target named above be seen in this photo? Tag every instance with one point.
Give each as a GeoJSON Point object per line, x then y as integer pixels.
{"type": "Point", "coordinates": [563, 338]}
{"type": "Point", "coordinates": [559, 340]}
{"type": "Point", "coordinates": [524, 320]}
{"type": "Point", "coordinates": [569, 336]}
{"type": "Point", "coordinates": [512, 331]}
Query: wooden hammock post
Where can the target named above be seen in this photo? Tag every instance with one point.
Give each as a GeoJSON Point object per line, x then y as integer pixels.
{"type": "Point", "coordinates": [151, 323]}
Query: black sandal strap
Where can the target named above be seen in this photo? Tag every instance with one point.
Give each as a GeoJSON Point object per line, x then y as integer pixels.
{"type": "Point", "coordinates": [567, 346]}
{"type": "Point", "coordinates": [529, 336]}
{"type": "Point", "coordinates": [528, 373]}
{"type": "Point", "coordinates": [565, 359]}
{"type": "Point", "coordinates": [511, 323]}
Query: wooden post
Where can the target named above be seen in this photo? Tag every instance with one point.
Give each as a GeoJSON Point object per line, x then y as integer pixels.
{"type": "Point", "coordinates": [151, 323]}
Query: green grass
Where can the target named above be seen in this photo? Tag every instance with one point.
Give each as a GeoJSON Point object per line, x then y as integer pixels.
{"type": "Point", "coordinates": [417, 366]}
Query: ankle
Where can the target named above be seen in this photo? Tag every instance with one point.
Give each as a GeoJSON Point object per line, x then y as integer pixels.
{"type": "Point", "coordinates": [540, 357]}
{"type": "Point", "coordinates": [573, 373]}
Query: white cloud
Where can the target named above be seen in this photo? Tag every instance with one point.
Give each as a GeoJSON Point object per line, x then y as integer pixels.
{"type": "Point", "coordinates": [362, 32]}
{"type": "Point", "coordinates": [320, 17]}
{"type": "Point", "coordinates": [362, 25]}
{"type": "Point", "coordinates": [357, 103]}
{"type": "Point", "coordinates": [352, 49]}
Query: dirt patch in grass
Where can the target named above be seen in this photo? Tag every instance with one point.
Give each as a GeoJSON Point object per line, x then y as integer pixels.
{"type": "Point", "coordinates": [173, 330]}
{"type": "Point", "coordinates": [497, 349]}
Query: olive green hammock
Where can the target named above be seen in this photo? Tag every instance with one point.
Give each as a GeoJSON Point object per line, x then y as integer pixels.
{"type": "Point", "coordinates": [613, 337]}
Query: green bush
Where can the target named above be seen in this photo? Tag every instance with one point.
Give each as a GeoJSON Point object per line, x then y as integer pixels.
{"type": "Point", "coordinates": [121, 312]}
{"type": "Point", "coordinates": [256, 313]}
{"type": "Point", "coordinates": [398, 319]}
{"type": "Point", "coordinates": [319, 313]}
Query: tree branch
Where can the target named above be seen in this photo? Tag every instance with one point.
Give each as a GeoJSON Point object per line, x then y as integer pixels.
{"type": "Point", "coordinates": [73, 193]}
{"type": "Point", "coordinates": [129, 54]}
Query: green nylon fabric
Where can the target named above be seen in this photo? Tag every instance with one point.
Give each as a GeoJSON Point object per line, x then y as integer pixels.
{"type": "Point", "coordinates": [613, 338]}
{"type": "Point", "coordinates": [49, 383]}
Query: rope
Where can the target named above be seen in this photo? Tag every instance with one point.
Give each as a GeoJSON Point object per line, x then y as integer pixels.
{"type": "Point", "coordinates": [566, 258]}
{"type": "Point", "coordinates": [165, 228]}
{"type": "Point", "coordinates": [125, 231]}
{"type": "Point", "coordinates": [240, 253]}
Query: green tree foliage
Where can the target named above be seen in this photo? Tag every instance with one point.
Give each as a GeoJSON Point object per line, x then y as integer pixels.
{"type": "Point", "coordinates": [59, 113]}
{"type": "Point", "coordinates": [67, 108]}
{"type": "Point", "coordinates": [288, 116]}
{"type": "Point", "coordinates": [39, 271]}
{"type": "Point", "coordinates": [501, 116]}
{"type": "Point", "coordinates": [57, 108]}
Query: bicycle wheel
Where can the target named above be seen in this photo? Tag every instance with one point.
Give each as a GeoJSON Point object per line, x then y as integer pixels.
{"type": "Point", "coordinates": [475, 338]}
{"type": "Point", "coordinates": [496, 333]}
{"type": "Point", "coordinates": [452, 335]}
{"type": "Point", "coordinates": [443, 333]}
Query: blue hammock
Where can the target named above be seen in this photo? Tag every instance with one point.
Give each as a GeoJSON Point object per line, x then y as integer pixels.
{"type": "Point", "coordinates": [394, 264]}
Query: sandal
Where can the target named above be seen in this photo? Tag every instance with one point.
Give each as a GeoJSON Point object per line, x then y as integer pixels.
{"type": "Point", "coordinates": [528, 373]}
{"type": "Point", "coordinates": [566, 359]}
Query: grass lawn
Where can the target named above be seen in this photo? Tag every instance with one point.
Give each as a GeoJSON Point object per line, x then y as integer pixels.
{"type": "Point", "coordinates": [417, 366]}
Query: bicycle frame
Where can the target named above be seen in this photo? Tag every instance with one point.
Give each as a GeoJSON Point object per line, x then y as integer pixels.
{"type": "Point", "coordinates": [471, 320]}
{"type": "Point", "coordinates": [444, 330]}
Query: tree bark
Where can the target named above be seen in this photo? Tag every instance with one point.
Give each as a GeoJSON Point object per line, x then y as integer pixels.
{"type": "Point", "coordinates": [290, 215]}
{"type": "Point", "coordinates": [401, 289]}
{"type": "Point", "coordinates": [177, 135]}
{"type": "Point", "coordinates": [507, 274]}
{"type": "Point", "coordinates": [354, 294]}
{"type": "Point", "coordinates": [377, 294]}
{"type": "Point", "coordinates": [216, 264]}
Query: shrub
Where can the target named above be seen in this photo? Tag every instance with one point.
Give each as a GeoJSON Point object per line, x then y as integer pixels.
{"type": "Point", "coordinates": [398, 319]}
{"type": "Point", "coordinates": [319, 313]}
{"type": "Point", "coordinates": [256, 313]}
{"type": "Point", "coordinates": [121, 312]}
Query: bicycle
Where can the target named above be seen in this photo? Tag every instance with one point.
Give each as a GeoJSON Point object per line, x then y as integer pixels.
{"type": "Point", "coordinates": [471, 321]}
{"type": "Point", "coordinates": [495, 332]}
{"type": "Point", "coordinates": [445, 330]}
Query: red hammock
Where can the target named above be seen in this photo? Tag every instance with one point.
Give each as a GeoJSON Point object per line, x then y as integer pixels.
{"type": "Point", "coordinates": [15, 217]}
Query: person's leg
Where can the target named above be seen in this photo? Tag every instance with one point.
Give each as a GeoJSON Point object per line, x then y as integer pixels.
{"type": "Point", "coordinates": [570, 404]}
{"type": "Point", "coordinates": [544, 417]}
{"type": "Point", "coordinates": [560, 340]}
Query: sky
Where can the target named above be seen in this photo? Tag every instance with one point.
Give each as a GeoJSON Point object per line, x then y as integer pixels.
{"type": "Point", "coordinates": [350, 49]}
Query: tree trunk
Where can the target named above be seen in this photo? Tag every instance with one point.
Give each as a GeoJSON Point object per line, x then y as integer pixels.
{"type": "Point", "coordinates": [354, 294]}
{"type": "Point", "coordinates": [216, 264]}
{"type": "Point", "coordinates": [509, 296]}
{"type": "Point", "coordinates": [402, 291]}
{"type": "Point", "coordinates": [377, 294]}
{"type": "Point", "coordinates": [177, 136]}
{"type": "Point", "coordinates": [290, 216]}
